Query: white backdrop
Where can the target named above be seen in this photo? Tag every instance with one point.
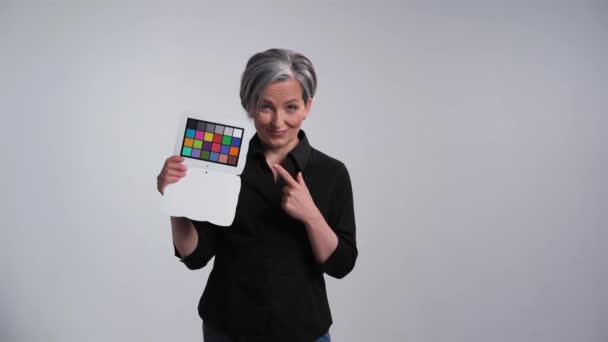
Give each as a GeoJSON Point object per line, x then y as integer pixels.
{"type": "Point", "coordinates": [475, 135]}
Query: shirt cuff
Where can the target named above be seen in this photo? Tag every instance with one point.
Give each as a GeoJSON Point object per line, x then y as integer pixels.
{"type": "Point", "coordinates": [199, 257]}
{"type": "Point", "coordinates": [340, 262]}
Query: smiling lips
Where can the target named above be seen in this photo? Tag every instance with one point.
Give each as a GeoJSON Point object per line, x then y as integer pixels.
{"type": "Point", "coordinates": [277, 133]}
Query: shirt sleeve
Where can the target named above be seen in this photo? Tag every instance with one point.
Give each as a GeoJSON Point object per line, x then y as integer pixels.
{"type": "Point", "coordinates": [205, 248]}
{"type": "Point", "coordinates": [342, 221]}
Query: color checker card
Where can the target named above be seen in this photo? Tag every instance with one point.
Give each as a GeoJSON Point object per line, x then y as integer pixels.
{"type": "Point", "coordinates": [212, 142]}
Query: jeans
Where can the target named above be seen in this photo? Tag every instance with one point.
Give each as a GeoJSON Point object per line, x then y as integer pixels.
{"type": "Point", "coordinates": [212, 335]}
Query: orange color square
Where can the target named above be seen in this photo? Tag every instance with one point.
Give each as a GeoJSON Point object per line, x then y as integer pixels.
{"type": "Point", "coordinates": [234, 151]}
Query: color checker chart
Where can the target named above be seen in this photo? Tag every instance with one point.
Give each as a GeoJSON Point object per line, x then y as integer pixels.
{"type": "Point", "coordinates": [212, 142]}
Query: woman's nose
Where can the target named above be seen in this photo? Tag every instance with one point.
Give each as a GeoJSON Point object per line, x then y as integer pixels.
{"type": "Point", "coordinates": [276, 119]}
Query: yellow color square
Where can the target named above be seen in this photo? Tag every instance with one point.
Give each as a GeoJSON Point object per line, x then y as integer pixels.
{"type": "Point", "coordinates": [208, 136]}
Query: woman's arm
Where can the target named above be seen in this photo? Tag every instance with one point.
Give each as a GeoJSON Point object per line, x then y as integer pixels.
{"type": "Point", "coordinates": [341, 219]}
{"type": "Point", "coordinates": [322, 238]}
{"type": "Point", "coordinates": [333, 241]}
{"type": "Point", "coordinates": [194, 242]}
{"type": "Point", "coordinates": [185, 237]}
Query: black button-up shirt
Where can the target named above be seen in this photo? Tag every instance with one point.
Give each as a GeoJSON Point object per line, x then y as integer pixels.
{"type": "Point", "coordinates": [265, 282]}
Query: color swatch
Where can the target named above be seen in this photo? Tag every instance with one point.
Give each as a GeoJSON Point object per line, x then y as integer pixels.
{"type": "Point", "coordinates": [212, 142]}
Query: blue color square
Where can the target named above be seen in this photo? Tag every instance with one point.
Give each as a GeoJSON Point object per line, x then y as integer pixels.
{"type": "Point", "coordinates": [225, 149]}
{"type": "Point", "coordinates": [214, 156]}
{"type": "Point", "coordinates": [236, 142]}
{"type": "Point", "coordinates": [190, 133]}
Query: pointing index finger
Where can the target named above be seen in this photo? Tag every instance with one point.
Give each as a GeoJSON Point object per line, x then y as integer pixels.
{"type": "Point", "coordinates": [286, 176]}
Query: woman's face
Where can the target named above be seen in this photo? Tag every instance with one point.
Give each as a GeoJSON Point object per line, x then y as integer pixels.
{"type": "Point", "coordinates": [281, 114]}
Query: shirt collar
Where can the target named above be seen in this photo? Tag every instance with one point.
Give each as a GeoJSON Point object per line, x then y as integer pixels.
{"type": "Point", "coordinates": [300, 153]}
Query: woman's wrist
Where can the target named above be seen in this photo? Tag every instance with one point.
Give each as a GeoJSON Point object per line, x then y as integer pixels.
{"type": "Point", "coordinates": [314, 219]}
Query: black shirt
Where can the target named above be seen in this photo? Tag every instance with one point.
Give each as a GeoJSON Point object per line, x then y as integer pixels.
{"type": "Point", "coordinates": [265, 281]}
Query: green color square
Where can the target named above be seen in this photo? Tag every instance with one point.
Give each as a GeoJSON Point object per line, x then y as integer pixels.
{"type": "Point", "coordinates": [198, 144]}
{"type": "Point", "coordinates": [205, 155]}
{"type": "Point", "coordinates": [226, 140]}
{"type": "Point", "coordinates": [187, 151]}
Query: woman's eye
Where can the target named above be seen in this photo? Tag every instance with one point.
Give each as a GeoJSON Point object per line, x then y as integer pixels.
{"type": "Point", "coordinates": [265, 107]}
{"type": "Point", "coordinates": [292, 108]}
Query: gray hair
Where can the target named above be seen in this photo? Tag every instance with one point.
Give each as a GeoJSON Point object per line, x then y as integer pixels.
{"type": "Point", "coordinates": [275, 65]}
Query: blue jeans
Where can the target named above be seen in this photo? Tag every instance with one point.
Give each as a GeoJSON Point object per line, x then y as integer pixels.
{"type": "Point", "coordinates": [212, 335]}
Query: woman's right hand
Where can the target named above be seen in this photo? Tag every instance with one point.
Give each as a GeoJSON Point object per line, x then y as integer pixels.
{"type": "Point", "coordinates": [173, 170]}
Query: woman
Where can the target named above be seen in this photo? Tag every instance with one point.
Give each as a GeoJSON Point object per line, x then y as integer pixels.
{"type": "Point", "coordinates": [294, 219]}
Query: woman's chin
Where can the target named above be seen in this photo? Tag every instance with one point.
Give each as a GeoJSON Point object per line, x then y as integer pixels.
{"type": "Point", "coordinates": [275, 142]}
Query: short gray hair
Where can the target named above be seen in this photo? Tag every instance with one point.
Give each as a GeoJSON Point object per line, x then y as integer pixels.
{"type": "Point", "coordinates": [275, 65]}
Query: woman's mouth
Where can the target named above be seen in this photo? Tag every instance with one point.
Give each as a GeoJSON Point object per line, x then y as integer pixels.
{"type": "Point", "coordinates": [277, 133]}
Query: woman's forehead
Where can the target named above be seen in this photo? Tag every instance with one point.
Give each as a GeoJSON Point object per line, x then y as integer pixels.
{"type": "Point", "coordinates": [283, 91]}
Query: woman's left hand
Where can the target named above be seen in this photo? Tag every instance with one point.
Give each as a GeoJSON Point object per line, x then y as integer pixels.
{"type": "Point", "coordinates": [297, 201]}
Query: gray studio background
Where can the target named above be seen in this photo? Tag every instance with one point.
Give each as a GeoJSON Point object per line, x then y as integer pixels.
{"type": "Point", "coordinates": [474, 133]}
